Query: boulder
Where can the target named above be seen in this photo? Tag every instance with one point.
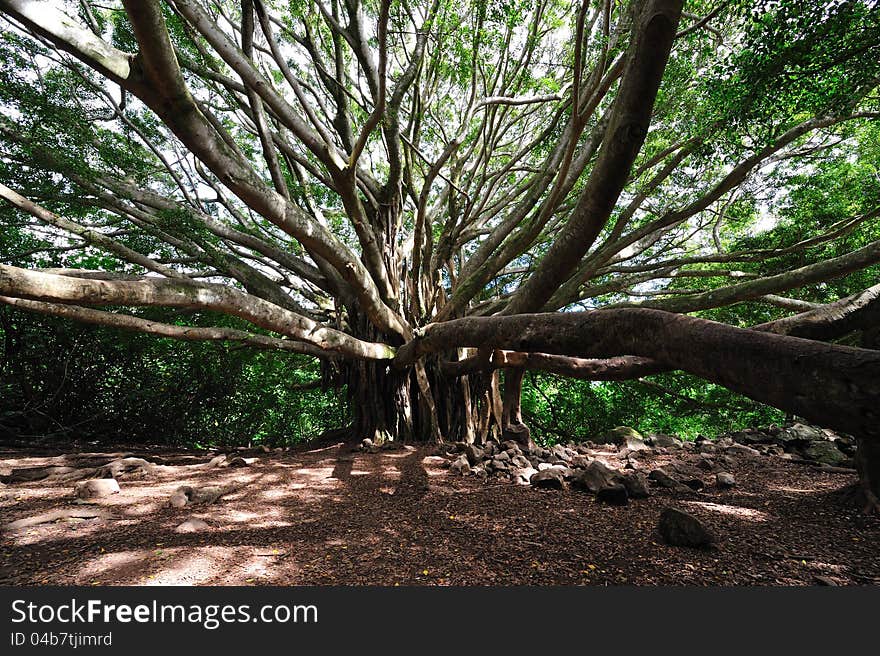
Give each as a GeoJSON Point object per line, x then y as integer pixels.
{"type": "Point", "coordinates": [96, 488]}
{"type": "Point", "coordinates": [617, 436]}
{"type": "Point", "coordinates": [503, 456]}
{"type": "Point", "coordinates": [551, 479]}
{"type": "Point", "coordinates": [520, 461]}
{"type": "Point", "coordinates": [825, 453]}
{"type": "Point", "coordinates": [192, 525]}
{"type": "Point", "coordinates": [579, 462]}
{"type": "Point", "coordinates": [237, 462]}
{"type": "Point", "coordinates": [680, 529]}
{"type": "Point", "coordinates": [615, 495]}
{"type": "Point", "coordinates": [594, 477]}
{"type": "Point", "coordinates": [725, 480]}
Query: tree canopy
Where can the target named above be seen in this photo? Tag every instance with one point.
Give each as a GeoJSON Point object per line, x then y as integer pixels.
{"type": "Point", "coordinates": [388, 186]}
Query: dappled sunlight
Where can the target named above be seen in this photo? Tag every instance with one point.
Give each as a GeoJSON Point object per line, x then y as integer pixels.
{"type": "Point", "coordinates": [740, 512]}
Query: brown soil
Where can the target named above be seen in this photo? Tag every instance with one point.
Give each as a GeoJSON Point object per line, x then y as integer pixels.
{"type": "Point", "coordinates": [333, 516]}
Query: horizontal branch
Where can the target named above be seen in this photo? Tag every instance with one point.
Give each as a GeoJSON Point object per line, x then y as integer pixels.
{"type": "Point", "coordinates": [188, 333]}
{"type": "Point", "coordinates": [837, 386]}
{"type": "Point", "coordinates": [36, 285]}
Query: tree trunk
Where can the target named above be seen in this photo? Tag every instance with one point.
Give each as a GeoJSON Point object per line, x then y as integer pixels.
{"type": "Point", "coordinates": [390, 406]}
{"type": "Point", "coordinates": [868, 466]}
{"type": "Point", "coordinates": [513, 427]}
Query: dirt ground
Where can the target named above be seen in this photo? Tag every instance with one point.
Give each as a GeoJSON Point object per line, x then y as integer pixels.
{"type": "Point", "coordinates": [334, 516]}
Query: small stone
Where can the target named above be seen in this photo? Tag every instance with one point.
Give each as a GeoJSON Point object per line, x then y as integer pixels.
{"type": "Point", "coordinates": [96, 488]}
{"type": "Point", "coordinates": [636, 485]}
{"type": "Point", "coordinates": [634, 444]}
{"type": "Point", "coordinates": [504, 456]}
{"type": "Point", "coordinates": [460, 466]}
{"type": "Point", "coordinates": [665, 441]}
{"type": "Point", "coordinates": [510, 445]}
{"type": "Point", "coordinates": [192, 525]}
{"type": "Point", "coordinates": [741, 450]}
{"type": "Point", "coordinates": [706, 464]}
{"type": "Point", "coordinates": [680, 529]}
{"type": "Point", "coordinates": [615, 495]}
{"type": "Point", "coordinates": [523, 475]}
{"type": "Point", "coordinates": [498, 464]}
{"type": "Point", "coordinates": [725, 480]}
{"type": "Point", "coordinates": [473, 453]}
{"type": "Point", "coordinates": [552, 479]}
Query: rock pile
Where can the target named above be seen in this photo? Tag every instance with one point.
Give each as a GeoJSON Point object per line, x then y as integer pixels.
{"type": "Point", "coordinates": [799, 441]}
{"type": "Point", "coordinates": [622, 464]}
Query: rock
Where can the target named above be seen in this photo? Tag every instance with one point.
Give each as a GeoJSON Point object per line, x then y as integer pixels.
{"type": "Point", "coordinates": [725, 480]}
{"type": "Point", "coordinates": [615, 495]}
{"type": "Point", "coordinates": [480, 473]}
{"type": "Point", "coordinates": [510, 445]}
{"type": "Point", "coordinates": [706, 464]}
{"type": "Point", "coordinates": [724, 442]}
{"type": "Point", "coordinates": [550, 479]}
{"type": "Point", "coordinates": [503, 456]}
{"type": "Point", "coordinates": [617, 436]}
{"type": "Point", "coordinates": [579, 462]}
{"type": "Point", "coordinates": [473, 453]}
{"type": "Point", "coordinates": [498, 464]}
{"type": "Point", "coordinates": [237, 462]}
{"type": "Point", "coordinates": [520, 462]}
{"type": "Point", "coordinates": [461, 466]}
{"type": "Point", "coordinates": [366, 444]}
{"type": "Point", "coordinates": [192, 525]}
{"type": "Point", "coordinates": [634, 444]}
{"type": "Point", "coordinates": [96, 488]}
{"type": "Point", "coordinates": [490, 449]}
{"type": "Point", "coordinates": [663, 479]}
{"type": "Point", "coordinates": [180, 497]}
{"type": "Point", "coordinates": [523, 475]}
{"type": "Point", "coordinates": [696, 484]}
{"type": "Point", "coordinates": [544, 465]}
{"type": "Point", "coordinates": [741, 450]}
{"type": "Point", "coordinates": [825, 453]}
{"type": "Point", "coordinates": [567, 472]}
{"type": "Point", "coordinates": [561, 452]}
{"type": "Point", "coordinates": [636, 485]}
{"type": "Point", "coordinates": [594, 477]}
{"type": "Point", "coordinates": [666, 441]}
{"type": "Point", "coordinates": [679, 529]}
{"type": "Point", "coordinates": [800, 435]}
